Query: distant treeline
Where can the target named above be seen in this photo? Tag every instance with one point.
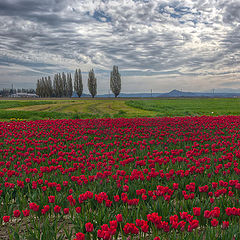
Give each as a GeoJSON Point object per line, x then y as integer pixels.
{"type": "Point", "coordinates": [63, 85]}
{"type": "Point", "coordinates": [6, 92]}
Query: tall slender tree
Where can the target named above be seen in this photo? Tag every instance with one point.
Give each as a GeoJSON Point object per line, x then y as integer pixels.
{"type": "Point", "coordinates": [55, 86]}
{"type": "Point", "coordinates": [60, 82]}
{"type": "Point", "coordinates": [50, 87]}
{"type": "Point", "coordinates": [64, 84]}
{"type": "Point", "coordinates": [75, 81]}
{"type": "Point", "coordinates": [115, 81]}
{"type": "Point", "coordinates": [92, 83]}
{"type": "Point", "coordinates": [45, 81]}
{"type": "Point", "coordinates": [78, 85]}
{"type": "Point", "coordinates": [69, 85]}
{"type": "Point", "coordinates": [44, 87]}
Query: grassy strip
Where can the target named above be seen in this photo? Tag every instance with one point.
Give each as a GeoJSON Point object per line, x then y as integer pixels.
{"type": "Point", "coordinates": [188, 107]}
{"type": "Point", "coordinates": [5, 104]}
{"type": "Point", "coordinates": [141, 104]}
{"type": "Point", "coordinates": [34, 115]}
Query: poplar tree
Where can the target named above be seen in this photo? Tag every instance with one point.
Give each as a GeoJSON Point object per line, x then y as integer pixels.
{"type": "Point", "coordinates": [44, 87]}
{"type": "Point", "coordinates": [78, 85]}
{"type": "Point", "coordinates": [60, 85]}
{"type": "Point", "coordinates": [55, 86]}
{"type": "Point", "coordinates": [92, 83]}
{"type": "Point", "coordinates": [64, 85]}
{"type": "Point", "coordinates": [69, 85]}
{"type": "Point", "coordinates": [40, 88]}
{"type": "Point", "coordinates": [115, 81]}
{"type": "Point", "coordinates": [50, 87]}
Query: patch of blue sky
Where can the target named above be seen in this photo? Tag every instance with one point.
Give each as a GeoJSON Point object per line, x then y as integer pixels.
{"type": "Point", "coordinates": [178, 11]}
{"type": "Point", "coordinates": [101, 16]}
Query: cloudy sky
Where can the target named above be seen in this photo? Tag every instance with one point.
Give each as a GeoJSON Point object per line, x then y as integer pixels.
{"type": "Point", "coordinates": [192, 45]}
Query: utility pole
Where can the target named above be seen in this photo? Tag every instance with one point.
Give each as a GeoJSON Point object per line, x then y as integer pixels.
{"type": "Point", "coordinates": [151, 92]}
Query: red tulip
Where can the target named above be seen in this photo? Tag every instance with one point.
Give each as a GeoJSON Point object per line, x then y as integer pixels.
{"type": "Point", "coordinates": [51, 199]}
{"type": "Point", "coordinates": [26, 212]}
{"type": "Point", "coordinates": [89, 227]}
{"type": "Point", "coordinates": [196, 211]}
{"type": "Point", "coordinates": [119, 217]}
{"type": "Point", "coordinates": [16, 213]}
{"type": "Point", "coordinates": [80, 236]}
{"type": "Point", "coordinates": [225, 224]}
{"type": "Point", "coordinates": [78, 209]}
{"type": "Point", "coordinates": [66, 210]}
{"type": "Point", "coordinates": [57, 209]}
{"type": "Point", "coordinates": [6, 218]}
{"type": "Point", "coordinates": [214, 222]}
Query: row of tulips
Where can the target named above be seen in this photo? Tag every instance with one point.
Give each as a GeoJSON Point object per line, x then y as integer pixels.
{"type": "Point", "coordinates": [183, 222]}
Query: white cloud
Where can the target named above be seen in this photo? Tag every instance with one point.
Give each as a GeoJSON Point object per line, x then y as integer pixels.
{"type": "Point", "coordinates": [196, 39]}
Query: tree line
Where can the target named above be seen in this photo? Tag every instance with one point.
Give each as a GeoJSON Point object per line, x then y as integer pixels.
{"type": "Point", "coordinates": [63, 85]}
{"type": "Point", "coordinates": [6, 92]}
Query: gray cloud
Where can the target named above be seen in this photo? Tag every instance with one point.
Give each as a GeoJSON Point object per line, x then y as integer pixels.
{"type": "Point", "coordinates": [232, 13]}
{"type": "Point", "coordinates": [157, 39]}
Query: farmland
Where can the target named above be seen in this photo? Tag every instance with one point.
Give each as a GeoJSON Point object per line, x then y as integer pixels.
{"type": "Point", "coordinates": [115, 108]}
{"type": "Point", "coordinates": [120, 176]}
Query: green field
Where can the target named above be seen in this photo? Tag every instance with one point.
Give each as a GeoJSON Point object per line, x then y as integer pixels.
{"type": "Point", "coordinates": [106, 108]}
{"type": "Point", "coordinates": [189, 107]}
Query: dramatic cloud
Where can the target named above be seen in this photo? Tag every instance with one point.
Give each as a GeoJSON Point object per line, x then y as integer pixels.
{"type": "Point", "coordinates": [186, 44]}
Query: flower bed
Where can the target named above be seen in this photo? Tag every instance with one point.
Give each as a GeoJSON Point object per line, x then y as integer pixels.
{"type": "Point", "coordinates": [143, 178]}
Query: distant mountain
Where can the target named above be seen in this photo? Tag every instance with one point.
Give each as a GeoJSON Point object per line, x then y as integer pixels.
{"type": "Point", "coordinates": [172, 94]}
{"type": "Point", "coordinates": [175, 93]}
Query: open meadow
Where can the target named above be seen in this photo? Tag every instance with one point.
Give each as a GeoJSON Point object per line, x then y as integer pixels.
{"type": "Point", "coordinates": [120, 169]}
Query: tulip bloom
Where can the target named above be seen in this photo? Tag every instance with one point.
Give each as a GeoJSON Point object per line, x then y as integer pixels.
{"type": "Point", "coordinates": [89, 227]}
{"type": "Point", "coordinates": [119, 218]}
{"type": "Point", "coordinates": [57, 209]}
{"type": "Point", "coordinates": [6, 218]}
{"type": "Point", "coordinates": [66, 210]}
{"type": "Point", "coordinates": [16, 213]}
{"type": "Point", "coordinates": [26, 212]}
{"type": "Point", "coordinates": [51, 199]}
{"type": "Point", "coordinates": [214, 222]}
{"type": "Point", "coordinates": [196, 211]}
{"type": "Point", "coordinates": [80, 236]}
{"type": "Point", "coordinates": [78, 209]}
{"type": "Point", "coordinates": [225, 224]}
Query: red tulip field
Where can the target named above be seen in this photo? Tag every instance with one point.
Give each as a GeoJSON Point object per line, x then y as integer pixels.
{"type": "Point", "coordinates": [139, 178]}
